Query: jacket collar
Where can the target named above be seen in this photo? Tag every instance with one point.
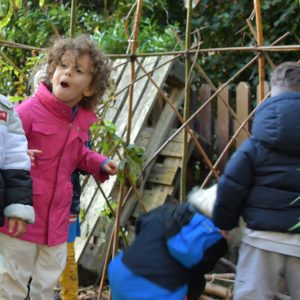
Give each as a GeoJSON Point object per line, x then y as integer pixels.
{"type": "Point", "coordinates": [52, 103]}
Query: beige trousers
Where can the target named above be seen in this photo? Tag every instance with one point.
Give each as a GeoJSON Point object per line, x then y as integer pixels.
{"type": "Point", "coordinates": [260, 272]}
{"type": "Point", "coordinates": [20, 260]}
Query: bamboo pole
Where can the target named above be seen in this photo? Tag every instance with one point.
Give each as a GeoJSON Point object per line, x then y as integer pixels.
{"type": "Point", "coordinates": [252, 30]}
{"type": "Point", "coordinates": [186, 111]}
{"type": "Point", "coordinates": [73, 18]}
{"type": "Point", "coordinates": [261, 59]}
{"type": "Point", "coordinates": [130, 100]}
{"type": "Point", "coordinates": [132, 66]}
{"type": "Point", "coordinates": [282, 48]}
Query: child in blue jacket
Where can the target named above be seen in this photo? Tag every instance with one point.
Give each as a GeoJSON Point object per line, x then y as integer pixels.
{"type": "Point", "coordinates": [175, 246]}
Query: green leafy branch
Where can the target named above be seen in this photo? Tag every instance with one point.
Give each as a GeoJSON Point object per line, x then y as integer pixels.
{"type": "Point", "coordinates": [105, 138]}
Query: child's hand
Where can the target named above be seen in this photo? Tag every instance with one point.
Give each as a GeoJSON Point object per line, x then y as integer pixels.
{"type": "Point", "coordinates": [226, 234]}
{"type": "Point", "coordinates": [111, 167]}
{"type": "Point", "coordinates": [32, 153]}
{"type": "Point", "coordinates": [17, 223]}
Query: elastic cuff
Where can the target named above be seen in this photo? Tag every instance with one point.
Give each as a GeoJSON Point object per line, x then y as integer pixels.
{"type": "Point", "coordinates": [102, 166]}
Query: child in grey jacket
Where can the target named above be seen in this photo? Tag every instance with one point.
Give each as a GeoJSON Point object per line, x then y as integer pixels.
{"type": "Point", "coordinates": [15, 182]}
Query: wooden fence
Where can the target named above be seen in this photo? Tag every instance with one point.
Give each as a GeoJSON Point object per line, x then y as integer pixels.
{"type": "Point", "coordinates": [218, 123]}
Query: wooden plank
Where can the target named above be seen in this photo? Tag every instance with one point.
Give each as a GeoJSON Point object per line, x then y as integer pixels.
{"type": "Point", "coordinates": [117, 69]}
{"type": "Point", "coordinates": [173, 149]}
{"type": "Point", "coordinates": [266, 90]}
{"type": "Point", "coordinates": [222, 130]}
{"type": "Point", "coordinates": [149, 97]}
{"type": "Point", "coordinates": [144, 136]}
{"type": "Point", "coordinates": [92, 214]}
{"type": "Point", "coordinates": [122, 92]}
{"type": "Point", "coordinates": [205, 129]}
{"type": "Point", "coordinates": [242, 110]}
{"type": "Point", "coordinates": [164, 173]}
{"type": "Point", "coordinates": [139, 89]}
{"type": "Point", "coordinates": [154, 197]}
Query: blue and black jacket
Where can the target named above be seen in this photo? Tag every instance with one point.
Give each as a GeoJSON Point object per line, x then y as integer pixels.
{"type": "Point", "coordinates": [261, 181]}
{"type": "Point", "coordinates": [175, 246]}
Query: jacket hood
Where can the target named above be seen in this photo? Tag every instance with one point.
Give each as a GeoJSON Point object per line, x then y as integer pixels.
{"type": "Point", "coordinates": [277, 123]}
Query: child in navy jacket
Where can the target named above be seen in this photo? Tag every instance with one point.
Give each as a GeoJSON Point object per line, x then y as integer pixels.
{"type": "Point", "coordinates": [261, 184]}
{"type": "Point", "coordinates": [175, 246]}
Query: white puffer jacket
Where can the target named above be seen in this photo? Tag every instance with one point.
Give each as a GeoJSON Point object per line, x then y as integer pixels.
{"type": "Point", "coordinates": [15, 181]}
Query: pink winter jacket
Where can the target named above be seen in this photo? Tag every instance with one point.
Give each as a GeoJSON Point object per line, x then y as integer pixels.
{"type": "Point", "coordinates": [49, 127]}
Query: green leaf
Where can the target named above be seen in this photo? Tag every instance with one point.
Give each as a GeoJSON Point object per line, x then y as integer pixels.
{"type": "Point", "coordinates": [295, 200]}
{"type": "Point", "coordinates": [6, 12]}
{"type": "Point", "coordinates": [42, 3]}
{"type": "Point", "coordinates": [16, 98]}
{"type": "Point", "coordinates": [296, 226]}
{"type": "Point", "coordinates": [18, 3]}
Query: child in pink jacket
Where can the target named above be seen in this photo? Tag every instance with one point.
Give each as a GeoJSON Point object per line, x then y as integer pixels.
{"type": "Point", "coordinates": [56, 122]}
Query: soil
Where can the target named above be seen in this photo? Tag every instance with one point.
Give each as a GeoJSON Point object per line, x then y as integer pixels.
{"type": "Point", "coordinates": [85, 293]}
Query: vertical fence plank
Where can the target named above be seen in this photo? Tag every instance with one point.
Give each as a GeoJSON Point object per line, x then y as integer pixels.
{"type": "Point", "coordinates": [222, 124]}
{"type": "Point", "coordinates": [205, 116]}
{"type": "Point", "coordinates": [242, 110]}
{"type": "Point", "coordinates": [266, 90]}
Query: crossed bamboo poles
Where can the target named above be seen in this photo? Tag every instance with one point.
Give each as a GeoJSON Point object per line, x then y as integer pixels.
{"type": "Point", "coordinates": [190, 55]}
{"type": "Point", "coordinates": [185, 122]}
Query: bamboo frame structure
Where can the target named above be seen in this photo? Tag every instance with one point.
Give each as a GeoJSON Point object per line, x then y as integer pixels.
{"type": "Point", "coordinates": [190, 55]}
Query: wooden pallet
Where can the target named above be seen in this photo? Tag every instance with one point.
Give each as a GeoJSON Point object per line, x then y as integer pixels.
{"type": "Point", "coordinates": [163, 179]}
{"type": "Point", "coordinates": [147, 108]}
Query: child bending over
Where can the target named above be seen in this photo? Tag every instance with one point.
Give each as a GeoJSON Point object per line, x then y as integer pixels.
{"type": "Point", "coordinates": [175, 246]}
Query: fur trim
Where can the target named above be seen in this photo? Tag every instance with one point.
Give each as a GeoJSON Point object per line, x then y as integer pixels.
{"type": "Point", "coordinates": [203, 199]}
{"type": "Point", "coordinates": [25, 212]}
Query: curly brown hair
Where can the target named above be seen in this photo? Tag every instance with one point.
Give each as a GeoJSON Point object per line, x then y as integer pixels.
{"type": "Point", "coordinates": [80, 45]}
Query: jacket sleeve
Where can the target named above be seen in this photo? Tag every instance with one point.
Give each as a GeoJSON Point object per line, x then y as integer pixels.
{"type": "Point", "coordinates": [189, 234]}
{"type": "Point", "coordinates": [196, 280]}
{"type": "Point", "coordinates": [234, 186]}
{"type": "Point", "coordinates": [91, 162]}
{"type": "Point", "coordinates": [15, 173]}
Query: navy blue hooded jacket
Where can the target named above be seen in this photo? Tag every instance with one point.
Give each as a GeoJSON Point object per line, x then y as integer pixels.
{"type": "Point", "coordinates": [175, 245]}
{"type": "Point", "coordinates": [261, 181]}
